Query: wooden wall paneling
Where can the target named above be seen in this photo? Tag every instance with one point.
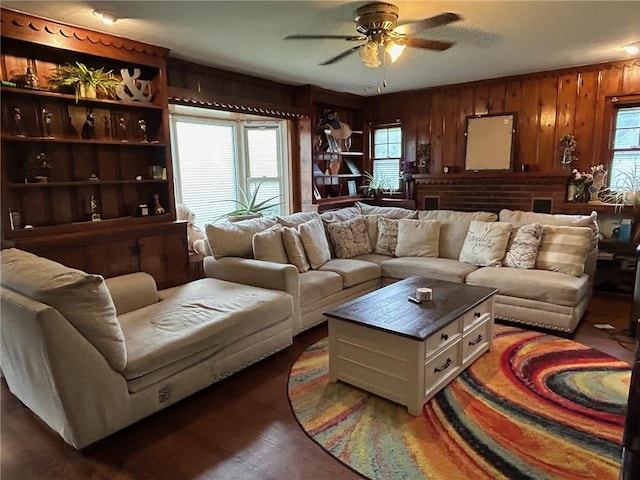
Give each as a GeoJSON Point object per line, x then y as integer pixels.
{"type": "Point", "coordinates": [63, 198]}
{"type": "Point", "coordinates": [497, 94]}
{"type": "Point", "coordinates": [111, 202]}
{"type": "Point", "coordinates": [512, 96]}
{"type": "Point", "coordinates": [584, 125]}
{"type": "Point", "coordinates": [631, 77]}
{"type": "Point", "coordinates": [567, 93]}
{"type": "Point", "coordinates": [410, 132]}
{"type": "Point", "coordinates": [546, 143]}
{"type": "Point", "coordinates": [450, 130]}
{"type": "Point", "coordinates": [423, 119]}
{"type": "Point", "coordinates": [437, 111]}
{"type": "Point", "coordinates": [527, 136]}
{"type": "Point", "coordinates": [481, 99]}
{"type": "Point", "coordinates": [465, 107]}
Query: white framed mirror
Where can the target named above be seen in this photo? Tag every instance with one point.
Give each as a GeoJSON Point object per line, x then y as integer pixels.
{"type": "Point", "coordinates": [490, 141]}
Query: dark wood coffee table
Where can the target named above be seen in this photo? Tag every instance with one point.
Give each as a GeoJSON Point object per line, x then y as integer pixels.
{"type": "Point", "coordinates": [407, 352]}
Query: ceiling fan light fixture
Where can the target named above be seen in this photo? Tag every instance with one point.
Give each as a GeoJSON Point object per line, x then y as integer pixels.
{"type": "Point", "coordinates": [632, 48]}
{"type": "Point", "coordinates": [369, 54]}
{"type": "Point", "coordinates": [394, 50]}
{"type": "Point", "coordinates": [107, 17]}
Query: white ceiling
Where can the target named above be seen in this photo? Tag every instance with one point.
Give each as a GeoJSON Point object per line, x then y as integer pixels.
{"type": "Point", "coordinates": [494, 39]}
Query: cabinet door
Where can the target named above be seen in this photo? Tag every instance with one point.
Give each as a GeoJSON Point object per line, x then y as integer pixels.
{"type": "Point", "coordinates": [165, 257]}
{"type": "Point", "coordinates": [112, 258]}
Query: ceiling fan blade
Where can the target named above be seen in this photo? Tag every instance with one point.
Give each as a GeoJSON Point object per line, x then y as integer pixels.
{"type": "Point", "coordinates": [424, 43]}
{"type": "Point", "coordinates": [350, 38]}
{"type": "Point", "coordinates": [344, 54]}
{"type": "Point", "coordinates": [412, 28]}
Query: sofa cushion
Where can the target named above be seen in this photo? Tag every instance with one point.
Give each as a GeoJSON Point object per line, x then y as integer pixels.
{"type": "Point", "coordinates": [387, 212]}
{"type": "Point", "coordinates": [522, 249]}
{"type": "Point", "coordinates": [82, 298]}
{"type": "Point", "coordinates": [340, 215]}
{"type": "Point", "coordinates": [349, 238]}
{"type": "Point", "coordinates": [234, 239]}
{"type": "Point", "coordinates": [418, 238]}
{"type": "Point", "coordinates": [540, 285]}
{"type": "Point", "coordinates": [316, 285]}
{"type": "Point", "coordinates": [430, 267]}
{"type": "Point", "coordinates": [294, 248]}
{"type": "Point", "coordinates": [454, 226]}
{"type": "Point", "coordinates": [387, 236]}
{"type": "Point", "coordinates": [296, 219]}
{"type": "Point", "coordinates": [315, 243]}
{"type": "Point", "coordinates": [268, 245]}
{"type": "Point", "coordinates": [353, 272]}
{"type": "Point", "coordinates": [196, 319]}
{"type": "Point", "coordinates": [486, 243]}
{"type": "Point", "coordinates": [564, 249]}
{"type": "Point", "coordinates": [132, 291]}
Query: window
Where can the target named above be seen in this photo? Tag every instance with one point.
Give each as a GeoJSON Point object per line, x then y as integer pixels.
{"type": "Point", "coordinates": [624, 172]}
{"type": "Point", "coordinates": [216, 158]}
{"type": "Point", "coordinates": [387, 153]}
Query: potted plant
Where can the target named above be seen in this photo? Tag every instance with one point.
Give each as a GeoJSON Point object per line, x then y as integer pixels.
{"type": "Point", "coordinates": [249, 206]}
{"type": "Point", "coordinates": [624, 190]}
{"type": "Point", "coordinates": [86, 81]}
{"type": "Point", "coordinates": [375, 186]}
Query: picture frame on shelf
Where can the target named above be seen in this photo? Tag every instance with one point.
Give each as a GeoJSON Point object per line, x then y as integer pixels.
{"type": "Point", "coordinates": [352, 189]}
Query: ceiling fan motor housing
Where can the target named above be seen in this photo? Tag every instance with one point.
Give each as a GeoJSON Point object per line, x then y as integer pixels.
{"type": "Point", "coordinates": [376, 18]}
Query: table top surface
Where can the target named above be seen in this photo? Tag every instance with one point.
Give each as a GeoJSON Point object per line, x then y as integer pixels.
{"type": "Point", "coordinates": [389, 309]}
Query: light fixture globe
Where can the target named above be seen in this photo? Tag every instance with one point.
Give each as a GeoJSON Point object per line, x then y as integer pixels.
{"type": "Point", "coordinates": [107, 17]}
{"type": "Point", "coordinates": [369, 54]}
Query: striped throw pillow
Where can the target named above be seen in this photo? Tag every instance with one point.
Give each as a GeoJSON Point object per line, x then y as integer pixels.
{"type": "Point", "coordinates": [564, 249]}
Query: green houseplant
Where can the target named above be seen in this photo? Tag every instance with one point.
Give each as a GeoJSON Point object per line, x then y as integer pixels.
{"type": "Point", "coordinates": [87, 82]}
{"type": "Point", "coordinates": [375, 186]}
{"type": "Point", "coordinates": [624, 190]}
{"type": "Point", "coordinates": [249, 206]}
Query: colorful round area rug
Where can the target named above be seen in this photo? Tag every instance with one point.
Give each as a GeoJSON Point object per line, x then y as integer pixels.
{"type": "Point", "coordinates": [535, 407]}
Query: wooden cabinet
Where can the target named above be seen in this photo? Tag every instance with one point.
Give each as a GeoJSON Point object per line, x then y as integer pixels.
{"type": "Point", "coordinates": [87, 181]}
{"type": "Point", "coordinates": [616, 269]}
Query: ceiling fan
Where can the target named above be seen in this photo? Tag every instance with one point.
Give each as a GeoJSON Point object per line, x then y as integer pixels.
{"type": "Point", "coordinates": [378, 25]}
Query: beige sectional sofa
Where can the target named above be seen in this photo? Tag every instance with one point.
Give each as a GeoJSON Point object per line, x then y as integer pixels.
{"type": "Point", "coordinates": [90, 356]}
{"type": "Point", "coordinates": [552, 293]}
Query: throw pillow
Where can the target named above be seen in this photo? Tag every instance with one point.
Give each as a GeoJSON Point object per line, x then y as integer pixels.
{"type": "Point", "coordinates": [418, 238]}
{"type": "Point", "coordinates": [387, 236]}
{"type": "Point", "coordinates": [234, 239]}
{"type": "Point", "coordinates": [388, 212]}
{"type": "Point", "coordinates": [564, 249]}
{"type": "Point", "coordinates": [485, 243]}
{"type": "Point", "coordinates": [268, 245]}
{"type": "Point", "coordinates": [82, 298]}
{"type": "Point", "coordinates": [296, 219]}
{"type": "Point", "coordinates": [349, 238]}
{"type": "Point", "coordinates": [315, 243]}
{"type": "Point", "coordinates": [294, 248]}
{"type": "Point", "coordinates": [522, 249]}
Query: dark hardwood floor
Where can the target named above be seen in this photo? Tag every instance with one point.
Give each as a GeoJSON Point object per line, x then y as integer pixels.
{"type": "Point", "coordinates": [241, 428]}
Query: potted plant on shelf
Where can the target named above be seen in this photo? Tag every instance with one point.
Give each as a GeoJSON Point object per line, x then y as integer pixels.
{"type": "Point", "coordinates": [249, 206]}
{"type": "Point", "coordinates": [87, 82]}
{"type": "Point", "coordinates": [624, 189]}
{"type": "Point", "coordinates": [375, 186]}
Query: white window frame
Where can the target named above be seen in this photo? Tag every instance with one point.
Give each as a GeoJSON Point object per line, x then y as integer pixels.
{"type": "Point", "coordinates": [623, 176]}
{"type": "Point", "coordinates": [395, 179]}
{"type": "Point", "coordinates": [241, 124]}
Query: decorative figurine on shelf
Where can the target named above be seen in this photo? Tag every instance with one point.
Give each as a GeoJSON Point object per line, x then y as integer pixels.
{"type": "Point", "coordinates": [46, 122]}
{"type": "Point", "coordinates": [568, 146]}
{"type": "Point", "coordinates": [423, 153]}
{"type": "Point", "coordinates": [143, 130]}
{"type": "Point", "coordinates": [17, 122]}
{"type": "Point", "coordinates": [30, 78]}
{"type": "Point", "coordinates": [106, 121]}
{"type": "Point", "coordinates": [122, 124]}
{"type": "Point", "coordinates": [157, 208]}
{"type": "Point", "coordinates": [89, 128]}
{"type": "Point", "coordinates": [93, 177]}
{"type": "Point", "coordinates": [132, 88]}
{"type": "Point", "coordinates": [95, 216]}
{"type": "Point", "coordinates": [43, 168]}
{"type": "Point", "coordinates": [599, 174]}
{"type": "Point", "coordinates": [337, 132]}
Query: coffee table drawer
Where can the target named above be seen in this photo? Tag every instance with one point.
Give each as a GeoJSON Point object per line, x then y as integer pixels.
{"type": "Point", "coordinates": [446, 335]}
{"type": "Point", "coordinates": [442, 368]}
{"type": "Point", "coordinates": [476, 315]}
{"type": "Point", "coordinates": [475, 340]}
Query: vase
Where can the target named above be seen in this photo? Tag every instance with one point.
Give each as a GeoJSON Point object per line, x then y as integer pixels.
{"type": "Point", "coordinates": [88, 91]}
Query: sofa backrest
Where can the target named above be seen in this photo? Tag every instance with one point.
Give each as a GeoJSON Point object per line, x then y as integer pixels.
{"type": "Point", "coordinates": [82, 298]}
{"type": "Point", "coordinates": [133, 291]}
{"type": "Point", "coordinates": [454, 226]}
{"type": "Point", "coordinates": [519, 218]}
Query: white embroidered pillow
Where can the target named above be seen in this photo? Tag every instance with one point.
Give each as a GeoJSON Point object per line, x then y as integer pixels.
{"type": "Point", "coordinates": [418, 238]}
{"type": "Point", "coordinates": [486, 243]}
{"type": "Point", "coordinates": [522, 249]}
{"type": "Point", "coordinates": [387, 236]}
{"type": "Point", "coordinates": [349, 238]}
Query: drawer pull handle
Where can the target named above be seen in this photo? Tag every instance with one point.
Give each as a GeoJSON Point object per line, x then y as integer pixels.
{"type": "Point", "coordinates": [444, 336]}
{"type": "Point", "coordinates": [476, 341]}
{"type": "Point", "coordinates": [444, 366]}
{"type": "Point", "coordinates": [477, 314]}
